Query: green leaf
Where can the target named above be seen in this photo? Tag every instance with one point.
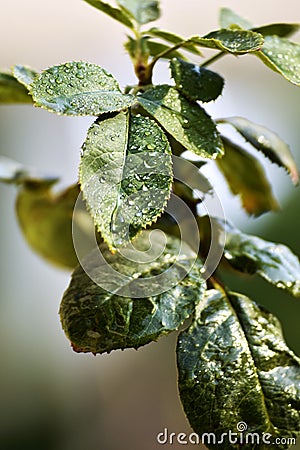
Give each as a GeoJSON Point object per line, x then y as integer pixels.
{"type": "Point", "coordinates": [187, 122]}
{"type": "Point", "coordinates": [131, 303]}
{"type": "Point", "coordinates": [125, 175]}
{"type": "Point", "coordinates": [46, 220]}
{"type": "Point", "coordinates": [268, 142]}
{"type": "Point", "coordinates": [143, 11]}
{"type": "Point", "coordinates": [196, 82]}
{"type": "Point", "coordinates": [278, 29]}
{"type": "Point", "coordinates": [227, 18]}
{"type": "Point", "coordinates": [234, 41]}
{"type": "Point", "coordinates": [148, 48]}
{"type": "Point", "coordinates": [116, 13]}
{"type": "Point", "coordinates": [155, 48]}
{"type": "Point", "coordinates": [282, 56]}
{"type": "Point", "coordinates": [246, 178]}
{"type": "Point", "coordinates": [253, 255]}
{"type": "Point", "coordinates": [25, 75]}
{"type": "Point", "coordinates": [78, 89]}
{"type": "Point", "coordinates": [11, 91]}
{"type": "Point", "coordinates": [235, 368]}
{"type": "Point", "coordinates": [174, 39]}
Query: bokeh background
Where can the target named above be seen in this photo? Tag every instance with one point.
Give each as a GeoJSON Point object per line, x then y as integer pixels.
{"type": "Point", "coordinates": [50, 397]}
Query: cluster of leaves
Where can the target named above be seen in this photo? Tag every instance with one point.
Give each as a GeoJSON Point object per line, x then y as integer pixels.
{"type": "Point", "coordinates": [232, 354]}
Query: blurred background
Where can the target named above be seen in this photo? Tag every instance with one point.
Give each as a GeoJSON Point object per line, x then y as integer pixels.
{"type": "Point", "coordinates": [50, 397]}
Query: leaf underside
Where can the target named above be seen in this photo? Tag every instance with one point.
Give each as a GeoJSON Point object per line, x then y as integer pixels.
{"type": "Point", "coordinates": [196, 82]}
{"type": "Point", "coordinates": [246, 177]}
{"type": "Point", "coordinates": [11, 91]}
{"type": "Point", "coordinates": [118, 14]}
{"type": "Point", "coordinates": [142, 11]}
{"type": "Point", "coordinates": [273, 262]}
{"type": "Point", "coordinates": [266, 141]}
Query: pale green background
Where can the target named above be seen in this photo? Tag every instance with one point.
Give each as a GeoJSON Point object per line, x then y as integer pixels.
{"type": "Point", "coordinates": [52, 398]}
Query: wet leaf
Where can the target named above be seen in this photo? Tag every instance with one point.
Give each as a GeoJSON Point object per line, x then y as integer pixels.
{"type": "Point", "coordinates": [227, 18]}
{"type": "Point", "coordinates": [174, 39]}
{"type": "Point", "coordinates": [236, 41]}
{"type": "Point", "coordinates": [148, 48]}
{"type": "Point", "coordinates": [253, 255]}
{"type": "Point", "coordinates": [116, 13]}
{"type": "Point", "coordinates": [125, 175]}
{"type": "Point", "coordinates": [186, 121]}
{"type": "Point", "coordinates": [235, 367]}
{"type": "Point", "coordinates": [142, 11]}
{"type": "Point", "coordinates": [46, 220]}
{"type": "Point", "coordinates": [196, 82]}
{"type": "Point", "coordinates": [11, 91]}
{"type": "Point", "coordinates": [25, 75]}
{"type": "Point", "coordinates": [268, 142]}
{"type": "Point", "coordinates": [133, 299]}
{"type": "Point", "coordinates": [282, 56]}
{"type": "Point", "coordinates": [246, 178]}
{"type": "Point", "coordinates": [78, 89]}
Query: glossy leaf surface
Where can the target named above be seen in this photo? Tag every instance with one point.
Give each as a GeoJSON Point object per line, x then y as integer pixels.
{"type": "Point", "coordinates": [128, 313]}
{"type": "Point", "coordinates": [268, 142]}
{"type": "Point", "coordinates": [186, 121]}
{"type": "Point", "coordinates": [78, 88]}
{"type": "Point", "coordinates": [278, 29]}
{"type": "Point", "coordinates": [282, 56]}
{"type": "Point", "coordinates": [273, 262]}
{"type": "Point", "coordinates": [46, 220]}
{"type": "Point", "coordinates": [196, 82]}
{"type": "Point", "coordinates": [235, 367]}
{"type": "Point", "coordinates": [246, 178]}
{"type": "Point", "coordinates": [125, 175]}
{"type": "Point", "coordinates": [235, 41]}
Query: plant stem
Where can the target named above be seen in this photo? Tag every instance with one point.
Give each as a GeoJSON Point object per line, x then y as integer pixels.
{"type": "Point", "coordinates": [165, 53]}
{"type": "Point", "coordinates": [213, 59]}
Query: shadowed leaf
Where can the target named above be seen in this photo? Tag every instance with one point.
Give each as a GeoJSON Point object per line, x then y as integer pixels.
{"type": "Point", "coordinates": [246, 178]}
{"type": "Point", "coordinates": [235, 367]}
{"type": "Point", "coordinates": [128, 302]}
{"type": "Point", "coordinates": [268, 142]}
{"type": "Point", "coordinates": [196, 82]}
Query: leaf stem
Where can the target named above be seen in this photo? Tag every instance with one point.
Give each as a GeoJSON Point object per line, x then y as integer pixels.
{"type": "Point", "coordinates": [213, 59]}
{"type": "Point", "coordinates": [166, 52]}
